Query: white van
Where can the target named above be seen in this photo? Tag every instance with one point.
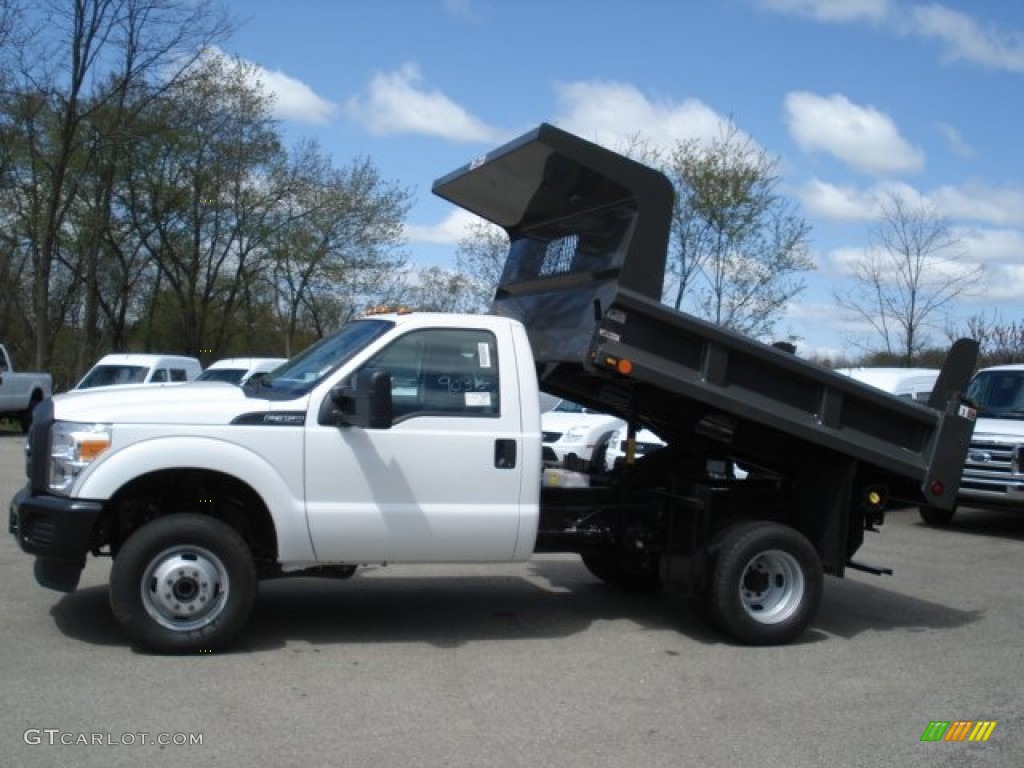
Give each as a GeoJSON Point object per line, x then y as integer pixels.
{"type": "Point", "coordinates": [128, 368]}
{"type": "Point", "coordinates": [913, 383]}
{"type": "Point", "coordinates": [238, 370]}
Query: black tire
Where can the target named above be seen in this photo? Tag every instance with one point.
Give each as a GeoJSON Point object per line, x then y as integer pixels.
{"type": "Point", "coordinates": [209, 580]}
{"type": "Point", "coordinates": [634, 574]}
{"type": "Point", "coordinates": [25, 420]}
{"type": "Point", "coordinates": [936, 515]}
{"type": "Point", "coordinates": [600, 453]}
{"type": "Point", "coordinates": [765, 584]}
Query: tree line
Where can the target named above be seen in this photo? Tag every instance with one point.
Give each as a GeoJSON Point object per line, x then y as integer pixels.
{"type": "Point", "coordinates": [149, 201]}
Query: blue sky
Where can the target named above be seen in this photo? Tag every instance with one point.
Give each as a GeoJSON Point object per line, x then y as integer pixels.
{"type": "Point", "coordinates": [854, 97]}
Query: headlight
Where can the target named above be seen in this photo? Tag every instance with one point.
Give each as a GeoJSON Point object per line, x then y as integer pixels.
{"type": "Point", "coordinates": [73, 447]}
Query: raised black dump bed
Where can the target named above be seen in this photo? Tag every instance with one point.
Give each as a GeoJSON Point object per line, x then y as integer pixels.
{"type": "Point", "coordinates": [822, 453]}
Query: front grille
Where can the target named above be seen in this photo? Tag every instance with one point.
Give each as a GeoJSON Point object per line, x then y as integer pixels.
{"type": "Point", "coordinates": [42, 531]}
{"type": "Point", "coordinates": [993, 468]}
{"type": "Point", "coordinates": [551, 437]}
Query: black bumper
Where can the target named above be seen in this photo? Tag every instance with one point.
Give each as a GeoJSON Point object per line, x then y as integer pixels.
{"type": "Point", "coordinates": [58, 531]}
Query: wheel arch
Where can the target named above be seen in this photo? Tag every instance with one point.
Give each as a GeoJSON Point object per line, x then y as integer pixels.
{"type": "Point", "coordinates": [174, 466]}
{"type": "Point", "coordinates": [193, 490]}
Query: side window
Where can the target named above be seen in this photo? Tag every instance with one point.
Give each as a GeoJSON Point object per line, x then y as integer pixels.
{"type": "Point", "coordinates": [159, 375]}
{"type": "Point", "coordinates": [178, 374]}
{"type": "Point", "coordinates": [451, 372]}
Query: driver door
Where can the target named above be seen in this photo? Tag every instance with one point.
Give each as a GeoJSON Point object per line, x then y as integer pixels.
{"type": "Point", "coordinates": [444, 482]}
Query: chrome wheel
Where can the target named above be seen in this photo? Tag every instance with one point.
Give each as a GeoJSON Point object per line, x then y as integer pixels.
{"type": "Point", "coordinates": [185, 588]}
{"type": "Point", "coordinates": [772, 587]}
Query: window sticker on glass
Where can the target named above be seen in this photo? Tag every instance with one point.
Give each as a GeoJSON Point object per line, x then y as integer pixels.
{"type": "Point", "coordinates": [478, 399]}
{"type": "Point", "coordinates": [484, 354]}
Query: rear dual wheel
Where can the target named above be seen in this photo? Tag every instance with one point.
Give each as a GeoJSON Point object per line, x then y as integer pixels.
{"type": "Point", "coordinates": [766, 583]}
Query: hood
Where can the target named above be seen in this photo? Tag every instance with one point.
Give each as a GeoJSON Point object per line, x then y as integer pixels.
{"type": "Point", "coordinates": [553, 421]}
{"type": "Point", "coordinates": [1003, 430]}
{"type": "Point", "coordinates": [193, 403]}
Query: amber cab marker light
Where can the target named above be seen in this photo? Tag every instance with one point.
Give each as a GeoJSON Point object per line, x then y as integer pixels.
{"type": "Point", "coordinates": [625, 367]}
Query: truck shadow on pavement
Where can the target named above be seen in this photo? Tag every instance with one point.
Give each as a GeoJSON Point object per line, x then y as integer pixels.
{"type": "Point", "coordinates": [548, 600]}
{"type": "Point", "coordinates": [850, 607]}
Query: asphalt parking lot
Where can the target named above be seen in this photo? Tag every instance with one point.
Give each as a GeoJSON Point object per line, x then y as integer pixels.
{"type": "Point", "coordinates": [531, 665]}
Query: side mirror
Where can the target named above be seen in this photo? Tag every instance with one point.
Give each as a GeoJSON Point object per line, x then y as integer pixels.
{"type": "Point", "coordinates": [363, 402]}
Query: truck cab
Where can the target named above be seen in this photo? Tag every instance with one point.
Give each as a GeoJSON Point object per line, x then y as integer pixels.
{"type": "Point", "coordinates": [994, 470]}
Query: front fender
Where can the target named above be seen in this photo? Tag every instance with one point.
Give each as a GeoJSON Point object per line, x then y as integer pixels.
{"type": "Point", "coordinates": [279, 482]}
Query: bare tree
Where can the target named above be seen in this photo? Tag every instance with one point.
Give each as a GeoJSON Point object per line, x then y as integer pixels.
{"type": "Point", "coordinates": [909, 277]}
{"type": "Point", "coordinates": [148, 39]}
{"type": "Point", "coordinates": [736, 244]}
{"type": "Point", "coordinates": [1001, 342]}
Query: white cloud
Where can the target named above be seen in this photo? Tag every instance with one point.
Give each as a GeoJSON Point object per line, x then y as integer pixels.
{"type": "Point", "coordinates": [832, 10]}
{"type": "Point", "coordinates": [1002, 283]}
{"type": "Point", "coordinates": [963, 36]}
{"type": "Point", "coordinates": [396, 102]}
{"type": "Point", "coordinates": [848, 203]}
{"type": "Point", "coordinates": [978, 202]}
{"type": "Point", "coordinates": [293, 99]}
{"type": "Point", "coordinates": [966, 39]}
{"type": "Point", "coordinates": [473, 11]}
{"type": "Point", "coordinates": [995, 245]}
{"type": "Point", "coordinates": [956, 141]}
{"type": "Point", "coordinates": [452, 229]}
{"type": "Point", "coordinates": [862, 137]}
{"type": "Point", "coordinates": [615, 114]}
{"type": "Point", "coordinates": [835, 203]}
{"type": "Point", "coordinates": [973, 202]}
{"type": "Point", "coordinates": [846, 261]}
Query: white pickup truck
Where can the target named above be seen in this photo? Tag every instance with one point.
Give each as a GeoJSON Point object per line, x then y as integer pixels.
{"type": "Point", "coordinates": [994, 471]}
{"type": "Point", "coordinates": [20, 392]}
{"type": "Point", "coordinates": [415, 438]}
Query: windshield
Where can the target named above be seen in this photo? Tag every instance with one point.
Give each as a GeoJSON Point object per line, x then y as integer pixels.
{"type": "Point", "coordinates": [568, 406]}
{"type": "Point", "coordinates": [302, 373]}
{"type": "Point", "coordinates": [998, 394]}
{"type": "Point", "coordinates": [111, 375]}
{"type": "Point", "coordinates": [230, 375]}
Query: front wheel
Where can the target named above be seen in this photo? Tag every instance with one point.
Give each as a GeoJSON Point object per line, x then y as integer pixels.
{"type": "Point", "coordinates": [183, 584]}
{"type": "Point", "coordinates": [766, 583]}
{"type": "Point", "coordinates": [936, 515]}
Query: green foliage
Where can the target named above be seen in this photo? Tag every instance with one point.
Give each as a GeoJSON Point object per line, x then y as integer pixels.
{"type": "Point", "coordinates": [737, 246]}
{"type": "Point", "coordinates": [150, 204]}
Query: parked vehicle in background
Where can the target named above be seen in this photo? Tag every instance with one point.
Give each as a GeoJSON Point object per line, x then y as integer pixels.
{"type": "Point", "coordinates": [239, 370]}
{"type": "Point", "coordinates": [913, 383]}
{"type": "Point", "coordinates": [616, 447]}
{"type": "Point", "coordinates": [994, 470]}
{"type": "Point", "coordinates": [20, 392]}
{"type": "Point", "coordinates": [571, 429]}
{"type": "Point", "coordinates": [129, 368]}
